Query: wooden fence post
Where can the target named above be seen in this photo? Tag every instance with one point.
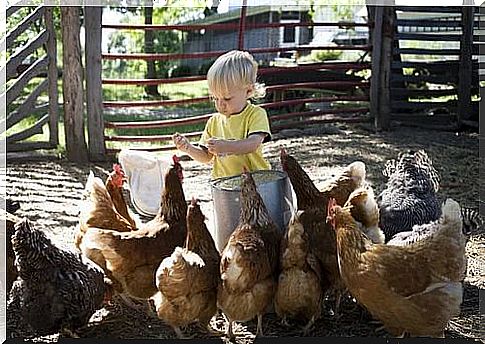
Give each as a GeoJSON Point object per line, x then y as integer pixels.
{"type": "Point", "coordinates": [376, 66]}
{"type": "Point", "coordinates": [94, 92]}
{"type": "Point", "coordinates": [465, 69]}
{"type": "Point", "coordinates": [52, 77]}
{"type": "Point", "coordinates": [382, 50]}
{"type": "Point", "coordinates": [72, 85]}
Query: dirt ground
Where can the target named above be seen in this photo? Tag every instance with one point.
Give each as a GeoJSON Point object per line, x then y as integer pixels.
{"type": "Point", "coordinates": [49, 192]}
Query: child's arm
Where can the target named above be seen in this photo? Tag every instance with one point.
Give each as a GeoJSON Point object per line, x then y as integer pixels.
{"type": "Point", "coordinates": [199, 154]}
{"type": "Point", "coordinates": [244, 146]}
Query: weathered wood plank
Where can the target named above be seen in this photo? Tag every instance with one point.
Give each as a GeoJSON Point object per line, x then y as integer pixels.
{"type": "Point", "coordinates": [415, 51]}
{"type": "Point", "coordinates": [407, 105]}
{"type": "Point", "coordinates": [450, 25]}
{"type": "Point", "coordinates": [436, 79]}
{"type": "Point", "coordinates": [32, 110]}
{"type": "Point", "coordinates": [26, 107]}
{"type": "Point", "coordinates": [12, 9]}
{"type": "Point", "coordinates": [35, 129]}
{"type": "Point", "coordinates": [24, 25]}
{"type": "Point", "coordinates": [376, 81]}
{"type": "Point", "coordinates": [429, 37]}
{"type": "Point", "coordinates": [94, 101]}
{"type": "Point", "coordinates": [465, 72]}
{"type": "Point", "coordinates": [35, 69]}
{"type": "Point", "coordinates": [17, 58]}
{"type": "Point", "coordinates": [430, 9]}
{"type": "Point", "coordinates": [28, 146]}
{"type": "Point", "coordinates": [440, 65]}
{"type": "Point", "coordinates": [429, 23]}
{"type": "Point", "coordinates": [387, 42]}
{"type": "Point", "coordinates": [404, 92]}
{"type": "Point", "coordinates": [52, 74]}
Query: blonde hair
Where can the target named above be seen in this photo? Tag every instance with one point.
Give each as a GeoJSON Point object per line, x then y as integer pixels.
{"type": "Point", "coordinates": [234, 68]}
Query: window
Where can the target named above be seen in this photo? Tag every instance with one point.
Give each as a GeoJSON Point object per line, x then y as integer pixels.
{"type": "Point", "coordinates": [289, 35]}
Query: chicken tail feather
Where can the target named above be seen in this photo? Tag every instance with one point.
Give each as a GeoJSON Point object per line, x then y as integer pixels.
{"type": "Point", "coordinates": [452, 212]}
{"type": "Point", "coordinates": [357, 171]}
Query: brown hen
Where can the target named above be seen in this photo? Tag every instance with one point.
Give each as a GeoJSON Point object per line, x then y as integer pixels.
{"type": "Point", "coordinates": [249, 261]}
{"type": "Point", "coordinates": [104, 206]}
{"type": "Point", "coordinates": [187, 280]}
{"type": "Point", "coordinates": [299, 292]}
{"type": "Point", "coordinates": [132, 258]}
{"type": "Point", "coordinates": [114, 186]}
{"type": "Point", "coordinates": [413, 289]}
{"type": "Point", "coordinates": [365, 211]}
{"type": "Point", "coordinates": [314, 203]}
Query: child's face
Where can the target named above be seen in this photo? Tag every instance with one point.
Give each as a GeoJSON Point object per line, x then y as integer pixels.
{"type": "Point", "coordinates": [233, 101]}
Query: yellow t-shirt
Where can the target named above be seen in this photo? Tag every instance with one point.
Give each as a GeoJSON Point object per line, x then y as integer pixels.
{"type": "Point", "coordinates": [253, 119]}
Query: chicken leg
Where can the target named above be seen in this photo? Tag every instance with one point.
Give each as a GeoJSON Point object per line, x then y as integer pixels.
{"type": "Point", "coordinates": [284, 321]}
{"type": "Point", "coordinates": [180, 334]}
{"type": "Point", "coordinates": [308, 327]}
{"type": "Point", "coordinates": [259, 329]}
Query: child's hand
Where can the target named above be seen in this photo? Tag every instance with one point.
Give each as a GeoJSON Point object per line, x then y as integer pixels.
{"type": "Point", "coordinates": [181, 142]}
{"type": "Point", "coordinates": [217, 146]}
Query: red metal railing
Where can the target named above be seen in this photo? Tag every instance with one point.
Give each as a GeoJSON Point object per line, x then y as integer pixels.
{"type": "Point", "coordinates": [255, 51]}
{"type": "Point", "coordinates": [262, 71]}
{"type": "Point", "coordinates": [233, 27]}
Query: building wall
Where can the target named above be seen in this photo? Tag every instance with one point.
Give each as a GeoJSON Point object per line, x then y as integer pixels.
{"type": "Point", "coordinates": [217, 40]}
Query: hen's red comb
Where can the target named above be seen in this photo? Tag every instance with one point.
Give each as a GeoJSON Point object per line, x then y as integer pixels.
{"type": "Point", "coordinates": [117, 168]}
{"type": "Point", "coordinates": [175, 159]}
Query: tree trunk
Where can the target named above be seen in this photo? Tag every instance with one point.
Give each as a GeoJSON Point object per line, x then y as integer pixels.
{"type": "Point", "coordinates": [72, 85]}
{"type": "Point", "coordinates": [151, 90]}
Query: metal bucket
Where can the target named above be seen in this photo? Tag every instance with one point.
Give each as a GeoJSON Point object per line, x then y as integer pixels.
{"type": "Point", "coordinates": [273, 186]}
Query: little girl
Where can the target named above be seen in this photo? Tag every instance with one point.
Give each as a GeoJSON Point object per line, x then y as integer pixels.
{"type": "Point", "coordinates": [233, 136]}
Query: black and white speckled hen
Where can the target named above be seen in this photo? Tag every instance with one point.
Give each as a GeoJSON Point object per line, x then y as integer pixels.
{"type": "Point", "coordinates": [472, 222]}
{"type": "Point", "coordinates": [56, 289]}
{"type": "Point", "coordinates": [410, 195]}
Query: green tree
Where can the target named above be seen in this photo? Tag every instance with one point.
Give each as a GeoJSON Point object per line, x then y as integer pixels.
{"type": "Point", "coordinates": [153, 41]}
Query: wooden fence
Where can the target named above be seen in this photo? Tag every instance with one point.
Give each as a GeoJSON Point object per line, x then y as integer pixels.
{"type": "Point", "coordinates": [299, 95]}
{"type": "Point", "coordinates": [440, 82]}
{"type": "Point", "coordinates": [25, 65]}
